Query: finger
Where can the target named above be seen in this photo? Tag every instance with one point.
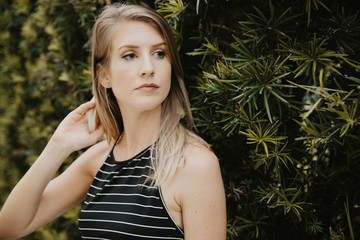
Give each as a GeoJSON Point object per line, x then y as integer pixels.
{"type": "Point", "coordinates": [99, 130]}
{"type": "Point", "coordinates": [83, 108]}
{"type": "Point", "coordinates": [97, 133]}
{"type": "Point", "coordinates": [91, 119]}
{"type": "Point", "coordinates": [80, 111]}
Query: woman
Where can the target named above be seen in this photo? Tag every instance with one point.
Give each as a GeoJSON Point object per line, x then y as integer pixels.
{"type": "Point", "coordinates": [152, 178]}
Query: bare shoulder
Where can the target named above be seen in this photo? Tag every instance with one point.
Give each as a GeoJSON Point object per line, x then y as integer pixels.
{"type": "Point", "coordinates": [93, 157]}
{"type": "Point", "coordinates": [99, 148]}
{"type": "Point", "coordinates": [200, 193]}
{"type": "Point", "coordinates": [200, 164]}
{"type": "Point", "coordinates": [199, 156]}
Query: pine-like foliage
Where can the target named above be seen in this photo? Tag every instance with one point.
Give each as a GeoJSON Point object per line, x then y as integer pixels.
{"type": "Point", "coordinates": [280, 103]}
{"type": "Point", "coordinates": [274, 86]}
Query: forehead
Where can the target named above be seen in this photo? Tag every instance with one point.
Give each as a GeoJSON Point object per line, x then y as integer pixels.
{"type": "Point", "coordinates": [136, 32]}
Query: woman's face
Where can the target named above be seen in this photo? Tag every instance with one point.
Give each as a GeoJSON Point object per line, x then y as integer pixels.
{"type": "Point", "coordinates": [140, 67]}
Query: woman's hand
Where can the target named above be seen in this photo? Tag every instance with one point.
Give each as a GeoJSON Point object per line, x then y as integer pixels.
{"type": "Point", "coordinates": [36, 199]}
{"type": "Point", "coordinates": [73, 133]}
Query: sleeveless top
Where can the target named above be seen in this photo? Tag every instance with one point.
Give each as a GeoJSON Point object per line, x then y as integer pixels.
{"type": "Point", "coordinates": [119, 205]}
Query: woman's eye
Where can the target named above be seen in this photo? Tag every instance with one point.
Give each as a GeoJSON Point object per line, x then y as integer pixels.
{"type": "Point", "coordinates": [160, 54]}
{"type": "Point", "coordinates": [129, 56]}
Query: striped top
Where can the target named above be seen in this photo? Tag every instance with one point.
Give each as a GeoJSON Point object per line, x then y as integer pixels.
{"type": "Point", "coordinates": [119, 205]}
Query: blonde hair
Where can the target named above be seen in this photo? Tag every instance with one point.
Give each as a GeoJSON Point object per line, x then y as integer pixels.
{"type": "Point", "coordinates": [168, 152]}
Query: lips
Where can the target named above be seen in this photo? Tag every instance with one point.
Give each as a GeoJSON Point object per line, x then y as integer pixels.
{"type": "Point", "coordinates": [147, 86]}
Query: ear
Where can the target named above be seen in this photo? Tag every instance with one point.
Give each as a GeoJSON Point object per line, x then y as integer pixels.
{"type": "Point", "coordinates": [103, 76]}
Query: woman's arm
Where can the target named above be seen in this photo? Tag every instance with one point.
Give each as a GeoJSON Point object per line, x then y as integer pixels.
{"type": "Point", "coordinates": [202, 196]}
{"type": "Point", "coordinates": [34, 201]}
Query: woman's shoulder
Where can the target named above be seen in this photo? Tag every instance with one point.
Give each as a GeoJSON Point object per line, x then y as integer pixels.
{"type": "Point", "coordinates": [198, 157]}
{"type": "Point", "coordinates": [94, 156]}
{"type": "Point", "coordinates": [199, 177]}
{"type": "Point", "coordinates": [198, 151]}
{"type": "Point", "coordinates": [100, 147]}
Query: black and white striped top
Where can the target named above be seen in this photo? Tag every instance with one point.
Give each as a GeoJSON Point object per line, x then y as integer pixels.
{"type": "Point", "coordinates": [120, 206]}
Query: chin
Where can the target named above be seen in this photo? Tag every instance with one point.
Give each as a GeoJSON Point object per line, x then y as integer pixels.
{"type": "Point", "coordinates": [148, 105]}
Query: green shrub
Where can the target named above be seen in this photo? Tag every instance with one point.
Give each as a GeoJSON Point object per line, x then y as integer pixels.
{"type": "Point", "coordinates": [274, 87]}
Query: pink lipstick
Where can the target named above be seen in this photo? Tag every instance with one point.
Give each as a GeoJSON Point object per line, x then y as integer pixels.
{"type": "Point", "coordinates": [147, 87]}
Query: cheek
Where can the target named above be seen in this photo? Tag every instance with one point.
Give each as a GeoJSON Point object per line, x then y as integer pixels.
{"type": "Point", "coordinates": [167, 89]}
{"type": "Point", "coordinates": [167, 83]}
{"type": "Point", "coordinates": [167, 70]}
{"type": "Point", "coordinates": [118, 72]}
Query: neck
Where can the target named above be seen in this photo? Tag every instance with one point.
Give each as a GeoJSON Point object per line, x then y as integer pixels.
{"type": "Point", "coordinates": [140, 131]}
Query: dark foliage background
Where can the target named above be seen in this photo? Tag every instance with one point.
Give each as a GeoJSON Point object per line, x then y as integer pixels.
{"type": "Point", "coordinates": [274, 87]}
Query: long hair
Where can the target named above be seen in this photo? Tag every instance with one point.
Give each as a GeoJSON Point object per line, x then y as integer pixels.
{"type": "Point", "coordinates": [168, 152]}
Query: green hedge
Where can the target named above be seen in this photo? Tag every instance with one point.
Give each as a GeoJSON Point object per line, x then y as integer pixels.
{"type": "Point", "coordinates": [274, 87]}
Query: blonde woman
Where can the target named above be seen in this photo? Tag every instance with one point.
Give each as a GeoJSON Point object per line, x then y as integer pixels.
{"type": "Point", "coordinates": [152, 178]}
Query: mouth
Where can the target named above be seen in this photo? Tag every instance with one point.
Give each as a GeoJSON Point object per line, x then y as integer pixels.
{"type": "Point", "coordinates": [147, 87]}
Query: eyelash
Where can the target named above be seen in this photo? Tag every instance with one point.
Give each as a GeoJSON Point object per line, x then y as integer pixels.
{"type": "Point", "coordinates": [131, 56]}
{"type": "Point", "coordinates": [163, 54]}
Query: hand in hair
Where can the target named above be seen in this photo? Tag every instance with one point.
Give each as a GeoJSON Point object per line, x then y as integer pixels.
{"type": "Point", "coordinates": [73, 133]}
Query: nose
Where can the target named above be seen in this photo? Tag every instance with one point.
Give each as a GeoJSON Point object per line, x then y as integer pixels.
{"type": "Point", "coordinates": [147, 67]}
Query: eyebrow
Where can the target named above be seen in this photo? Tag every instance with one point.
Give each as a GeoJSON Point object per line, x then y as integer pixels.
{"type": "Point", "coordinates": [134, 46]}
